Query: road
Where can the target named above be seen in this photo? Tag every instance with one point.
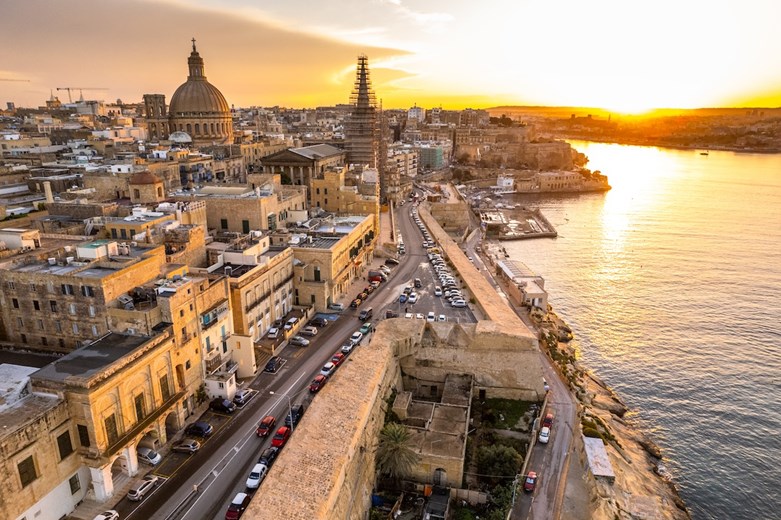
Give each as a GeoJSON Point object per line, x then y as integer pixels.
{"type": "Point", "coordinates": [219, 470]}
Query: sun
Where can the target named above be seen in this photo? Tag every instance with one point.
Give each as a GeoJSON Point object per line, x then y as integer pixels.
{"type": "Point", "coordinates": [628, 107]}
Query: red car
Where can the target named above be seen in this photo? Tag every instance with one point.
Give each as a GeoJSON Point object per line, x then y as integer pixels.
{"type": "Point", "coordinates": [317, 383]}
{"type": "Point", "coordinates": [547, 422]}
{"type": "Point", "coordinates": [337, 359]}
{"type": "Point", "coordinates": [265, 426]}
{"type": "Point", "coordinates": [530, 482]}
{"type": "Point", "coordinates": [280, 438]}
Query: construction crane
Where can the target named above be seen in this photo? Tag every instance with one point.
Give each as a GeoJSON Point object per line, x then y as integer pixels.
{"type": "Point", "coordinates": [81, 94]}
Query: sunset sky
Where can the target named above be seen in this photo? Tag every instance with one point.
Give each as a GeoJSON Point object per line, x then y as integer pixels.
{"type": "Point", "coordinates": [616, 54]}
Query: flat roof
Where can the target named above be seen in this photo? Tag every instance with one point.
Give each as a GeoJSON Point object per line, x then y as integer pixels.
{"type": "Point", "coordinates": [92, 359]}
{"type": "Point", "coordinates": [319, 243]}
{"type": "Point", "coordinates": [598, 459]}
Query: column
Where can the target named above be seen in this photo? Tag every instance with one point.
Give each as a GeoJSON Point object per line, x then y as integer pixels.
{"type": "Point", "coordinates": [102, 482]}
{"type": "Point", "coordinates": [132, 457]}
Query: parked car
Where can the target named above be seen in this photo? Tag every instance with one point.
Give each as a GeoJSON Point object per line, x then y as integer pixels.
{"type": "Point", "coordinates": [268, 456]}
{"type": "Point", "coordinates": [256, 476]}
{"type": "Point", "coordinates": [366, 314]}
{"type": "Point", "coordinates": [431, 317]}
{"type": "Point", "coordinates": [317, 383]}
{"type": "Point", "coordinates": [242, 396]}
{"type": "Point", "coordinates": [273, 364]}
{"type": "Point", "coordinates": [148, 456]}
{"type": "Point", "coordinates": [355, 303]}
{"type": "Point", "coordinates": [273, 333]}
{"type": "Point", "coordinates": [309, 331]}
{"type": "Point", "coordinates": [544, 435]}
{"type": "Point", "coordinates": [222, 405]}
{"type": "Point", "coordinates": [365, 328]}
{"type": "Point", "coordinates": [437, 291]}
{"type": "Point", "coordinates": [336, 307]}
{"type": "Point", "coordinates": [328, 369]}
{"type": "Point", "coordinates": [107, 515]}
{"type": "Point", "coordinates": [299, 341]}
{"type": "Point", "coordinates": [530, 481]}
{"type": "Point", "coordinates": [337, 358]}
{"type": "Point", "coordinates": [297, 412]}
{"type": "Point", "coordinates": [280, 438]}
{"type": "Point", "coordinates": [391, 262]}
{"type": "Point", "coordinates": [547, 422]}
{"type": "Point", "coordinates": [391, 314]}
{"type": "Point", "coordinates": [419, 316]}
{"type": "Point", "coordinates": [348, 347]}
{"type": "Point", "coordinates": [199, 428]}
{"type": "Point", "coordinates": [318, 321]}
{"type": "Point", "coordinates": [186, 446]}
{"type": "Point", "coordinates": [265, 426]}
{"type": "Point", "coordinates": [403, 298]}
{"type": "Point", "coordinates": [413, 298]}
{"type": "Point", "coordinates": [238, 506]}
{"type": "Point", "coordinates": [458, 304]}
{"type": "Point", "coordinates": [140, 489]}
{"type": "Point", "coordinates": [442, 317]}
{"type": "Point", "coordinates": [357, 337]}
{"type": "Point", "coordinates": [289, 324]}
{"type": "Point", "coordinates": [418, 283]}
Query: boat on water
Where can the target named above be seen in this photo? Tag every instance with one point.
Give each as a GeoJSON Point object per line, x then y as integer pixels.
{"type": "Point", "coordinates": [705, 152]}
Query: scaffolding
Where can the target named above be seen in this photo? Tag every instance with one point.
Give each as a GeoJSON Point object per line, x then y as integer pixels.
{"type": "Point", "coordinates": [362, 129]}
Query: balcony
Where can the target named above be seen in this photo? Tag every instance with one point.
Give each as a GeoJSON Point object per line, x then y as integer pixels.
{"type": "Point", "coordinates": [214, 363]}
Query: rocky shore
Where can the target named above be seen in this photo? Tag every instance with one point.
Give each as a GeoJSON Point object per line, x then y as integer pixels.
{"type": "Point", "coordinates": [642, 489]}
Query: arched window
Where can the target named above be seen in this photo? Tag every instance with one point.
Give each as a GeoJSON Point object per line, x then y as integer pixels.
{"type": "Point", "coordinates": [212, 128]}
{"type": "Point", "coordinates": [189, 129]}
{"type": "Point", "coordinates": [197, 129]}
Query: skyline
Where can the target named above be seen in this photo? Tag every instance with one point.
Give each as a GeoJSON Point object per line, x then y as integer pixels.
{"type": "Point", "coordinates": [434, 53]}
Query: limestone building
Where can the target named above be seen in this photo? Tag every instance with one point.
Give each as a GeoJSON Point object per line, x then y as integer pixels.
{"type": "Point", "coordinates": [330, 192]}
{"type": "Point", "coordinates": [329, 257]}
{"type": "Point", "coordinates": [302, 165]}
{"type": "Point", "coordinates": [197, 108]}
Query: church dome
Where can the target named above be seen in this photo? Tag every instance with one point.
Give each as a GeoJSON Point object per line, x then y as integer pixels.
{"type": "Point", "coordinates": [196, 96]}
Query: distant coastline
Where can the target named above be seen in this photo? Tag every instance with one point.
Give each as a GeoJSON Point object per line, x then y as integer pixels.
{"type": "Point", "coordinates": [657, 144]}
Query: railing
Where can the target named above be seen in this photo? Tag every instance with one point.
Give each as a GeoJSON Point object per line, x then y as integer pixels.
{"type": "Point", "coordinates": [141, 425]}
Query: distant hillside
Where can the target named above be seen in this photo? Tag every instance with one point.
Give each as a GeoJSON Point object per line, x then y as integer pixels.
{"type": "Point", "coordinates": [561, 112]}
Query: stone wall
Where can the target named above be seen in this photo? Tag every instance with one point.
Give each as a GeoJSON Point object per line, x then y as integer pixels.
{"type": "Point", "coordinates": [454, 216]}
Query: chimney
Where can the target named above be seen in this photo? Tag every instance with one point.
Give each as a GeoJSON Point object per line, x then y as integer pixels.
{"type": "Point", "coordinates": [47, 189]}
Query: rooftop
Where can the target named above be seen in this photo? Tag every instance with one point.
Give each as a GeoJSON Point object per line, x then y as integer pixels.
{"type": "Point", "coordinates": [318, 242]}
{"type": "Point", "coordinates": [86, 362]}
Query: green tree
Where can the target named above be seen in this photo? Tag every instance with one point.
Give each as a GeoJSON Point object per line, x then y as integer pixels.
{"type": "Point", "coordinates": [498, 461]}
{"type": "Point", "coordinates": [395, 456]}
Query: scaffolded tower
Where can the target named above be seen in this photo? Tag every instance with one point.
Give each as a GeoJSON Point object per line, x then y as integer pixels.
{"type": "Point", "coordinates": [361, 130]}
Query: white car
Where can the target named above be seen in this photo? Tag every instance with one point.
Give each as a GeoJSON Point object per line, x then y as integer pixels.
{"type": "Point", "coordinates": [356, 337]}
{"type": "Point", "coordinates": [413, 298]}
{"type": "Point", "coordinates": [442, 317]}
{"type": "Point", "coordinates": [256, 476]}
{"type": "Point", "coordinates": [419, 316]}
{"type": "Point", "coordinates": [273, 333]}
{"type": "Point", "coordinates": [437, 291]}
{"type": "Point", "coordinates": [459, 304]}
{"type": "Point", "coordinates": [431, 317]}
{"type": "Point", "coordinates": [107, 515]}
{"type": "Point", "coordinates": [328, 369]}
{"type": "Point", "coordinates": [544, 435]}
{"type": "Point", "coordinates": [409, 315]}
{"type": "Point", "coordinates": [148, 456]}
{"type": "Point", "coordinates": [348, 347]}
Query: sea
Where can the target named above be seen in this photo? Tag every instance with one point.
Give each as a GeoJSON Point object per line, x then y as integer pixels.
{"type": "Point", "coordinates": [671, 282]}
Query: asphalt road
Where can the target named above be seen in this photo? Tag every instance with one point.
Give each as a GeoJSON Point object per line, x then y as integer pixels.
{"type": "Point", "coordinates": [219, 470]}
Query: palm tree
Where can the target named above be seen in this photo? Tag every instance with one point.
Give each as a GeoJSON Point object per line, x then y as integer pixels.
{"type": "Point", "coordinates": [395, 456]}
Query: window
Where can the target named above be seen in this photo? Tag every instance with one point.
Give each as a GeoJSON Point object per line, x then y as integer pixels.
{"type": "Point", "coordinates": [317, 274]}
{"type": "Point", "coordinates": [11, 286]}
{"type": "Point", "coordinates": [110, 423]}
{"type": "Point", "coordinates": [40, 324]}
{"type": "Point", "coordinates": [208, 344]}
{"type": "Point", "coordinates": [140, 407]}
{"type": "Point", "coordinates": [71, 308]}
{"type": "Point", "coordinates": [113, 233]}
{"type": "Point", "coordinates": [36, 305]}
{"type": "Point", "coordinates": [20, 323]}
{"type": "Point", "coordinates": [326, 201]}
{"type": "Point", "coordinates": [312, 296]}
{"type": "Point", "coordinates": [74, 483]}
{"type": "Point", "coordinates": [27, 473]}
{"type": "Point", "coordinates": [64, 444]}
{"type": "Point", "coordinates": [92, 311]}
{"type": "Point", "coordinates": [318, 191]}
{"type": "Point", "coordinates": [75, 328]}
{"type": "Point", "coordinates": [187, 365]}
{"type": "Point", "coordinates": [15, 303]}
{"type": "Point", "coordinates": [53, 305]}
{"type": "Point", "coordinates": [123, 233]}
{"type": "Point", "coordinates": [181, 313]}
{"type": "Point", "coordinates": [24, 338]}
{"type": "Point", "coordinates": [58, 326]}
{"type": "Point", "coordinates": [95, 331]}
{"type": "Point", "coordinates": [33, 288]}
{"type": "Point", "coordinates": [88, 290]}
{"type": "Point", "coordinates": [67, 288]}
{"type": "Point", "coordinates": [136, 194]}
{"type": "Point", "coordinates": [224, 223]}
{"type": "Point", "coordinates": [221, 385]}
{"type": "Point", "coordinates": [165, 390]}
{"type": "Point", "coordinates": [245, 226]}
{"type": "Point", "coordinates": [83, 435]}
{"type": "Point", "coordinates": [44, 341]}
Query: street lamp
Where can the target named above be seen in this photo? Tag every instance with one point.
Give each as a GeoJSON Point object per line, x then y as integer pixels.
{"type": "Point", "coordinates": [289, 409]}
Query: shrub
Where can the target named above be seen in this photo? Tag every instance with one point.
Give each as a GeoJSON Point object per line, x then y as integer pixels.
{"type": "Point", "coordinates": [591, 432]}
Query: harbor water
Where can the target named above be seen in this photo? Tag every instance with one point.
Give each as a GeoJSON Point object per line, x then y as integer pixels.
{"type": "Point", "coordinates": [671, 283]}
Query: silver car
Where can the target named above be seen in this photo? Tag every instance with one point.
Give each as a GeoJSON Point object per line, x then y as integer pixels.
{"type": "Point", "coordinates": [299, 341]}
{"type": "Point", "coordinates": [148, 456]}
{"type": "Point", "coordinates": [140, 489]}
